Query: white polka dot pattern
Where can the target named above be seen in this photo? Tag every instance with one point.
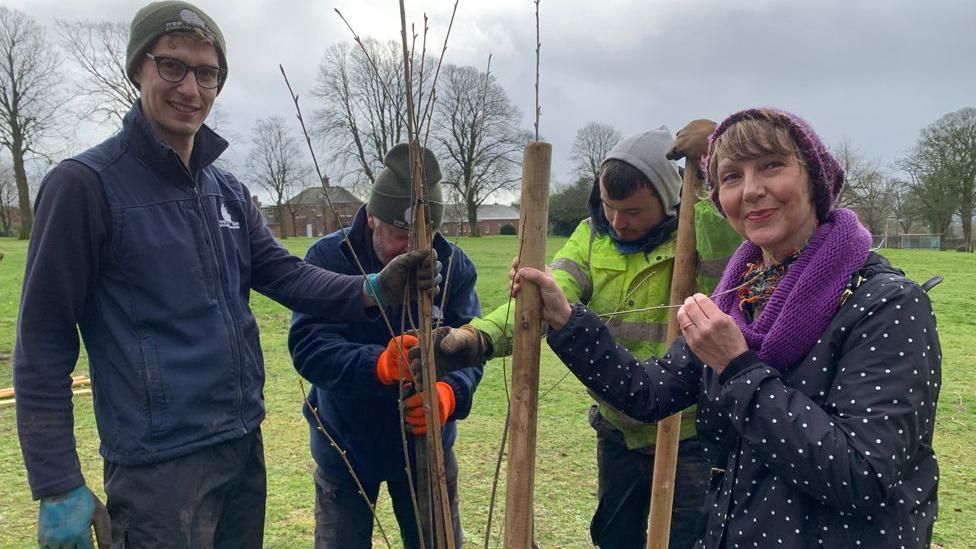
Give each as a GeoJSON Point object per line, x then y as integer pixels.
{"type": "Point", "coordinates": [834, 452]}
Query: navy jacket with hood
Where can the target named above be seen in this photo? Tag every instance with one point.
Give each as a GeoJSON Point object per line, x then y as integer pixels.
{"type": "Point", "coordinates": [339, 358]}
{"type": "Point", "coordinates": [154, 263]}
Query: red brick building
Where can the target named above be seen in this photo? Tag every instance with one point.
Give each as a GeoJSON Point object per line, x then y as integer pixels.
{"type": "Point", "coordinates": [312, 214]}
{"type": "Point", "coordinates": [491, 218]}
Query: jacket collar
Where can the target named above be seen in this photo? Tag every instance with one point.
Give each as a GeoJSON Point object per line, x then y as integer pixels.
{"type": "Point", "coordinates": [207, 145]}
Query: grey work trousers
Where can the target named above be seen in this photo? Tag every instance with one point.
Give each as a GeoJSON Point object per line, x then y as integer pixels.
{"type": "Point", "coordinates": [344, 521]}
{"type": "Point", "coordinates": [212, 498]}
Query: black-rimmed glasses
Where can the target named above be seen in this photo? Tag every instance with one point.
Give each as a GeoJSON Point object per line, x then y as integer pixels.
{"type": "Point", "coordinates": [173, 70]}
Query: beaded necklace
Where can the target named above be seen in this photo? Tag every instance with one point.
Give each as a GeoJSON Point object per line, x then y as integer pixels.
{"type": "Point", "coordinates": [762, 282]}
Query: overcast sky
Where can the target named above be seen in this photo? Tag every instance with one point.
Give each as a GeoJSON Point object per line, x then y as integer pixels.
{"type": "Point", "coordinates": [872, 71]}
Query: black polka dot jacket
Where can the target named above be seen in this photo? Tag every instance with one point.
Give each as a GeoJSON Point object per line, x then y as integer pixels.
{"type": "Point", "coordinates": [834, 452]}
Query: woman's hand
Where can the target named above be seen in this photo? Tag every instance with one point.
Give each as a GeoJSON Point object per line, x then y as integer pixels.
{"type": "Point", "coordinates": [555, 307]}
{"type": "Point", "coordinates": [711, 334]}
{"type": "Point", "coordinates": [513, 271]}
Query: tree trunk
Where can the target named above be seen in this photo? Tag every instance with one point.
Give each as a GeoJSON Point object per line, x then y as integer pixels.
{"type": "Point", "coordinates": [293, 215]}
{"type": "Point", "coordinates": [4, 218]}
{"type": "Point", "coordinates": [283, 227]}
{"type": "Point", "coordinates": [23, 191]}
{"type": "Point", "coordinates": [943, 229]}
{"type": "Point", "coordinates": [966, 213]}
{"type": "Point", "coordinates": [905, 224]}
{"type": "Point", "coordinates": [473, 219]}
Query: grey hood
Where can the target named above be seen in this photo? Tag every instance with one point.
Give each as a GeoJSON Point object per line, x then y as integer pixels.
{"type": "Point", "coordinates": [646, 152]}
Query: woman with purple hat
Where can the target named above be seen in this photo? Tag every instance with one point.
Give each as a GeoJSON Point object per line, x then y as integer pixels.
{"type": "Point", "coordinates": [815, 364]}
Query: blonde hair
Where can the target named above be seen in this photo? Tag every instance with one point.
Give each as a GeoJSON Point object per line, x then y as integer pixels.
{"type": "Point", "coordinates": [194, 35]}
{"type": "Point", "coordinates": [752, 138]}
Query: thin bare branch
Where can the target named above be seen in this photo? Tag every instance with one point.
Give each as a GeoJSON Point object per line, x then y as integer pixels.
{"type": "Point", "coordinates": [368, 57]}
{"type": "Point", "coordinates": [440, 60]}
{"type": "Point", "coordinates": [342, 454]}
{"type": "Point", "coordinates": [538, 48]}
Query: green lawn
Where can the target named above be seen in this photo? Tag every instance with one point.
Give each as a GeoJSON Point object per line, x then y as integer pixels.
{"type": "Point", "coordinates": [566, 472]}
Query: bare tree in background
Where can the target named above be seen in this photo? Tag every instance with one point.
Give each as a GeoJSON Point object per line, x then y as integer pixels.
{"type": "Point", "coordinates": [945, 157]}
{"type": "Point", "coordinates": [274, 164]}
{"type": "Point", "coordinates": [29, 78]}
{"type": "Point", "coordinates": [362, 109]}
{"type": "Point", "coordinates": [219, 122]}
{"type": "Point", "coordinates": [8, 199]}
{"type": "Point", "coordinates": [903, 205]}
{"type": "Point", "coordinates": [591, 145]}
{"type": "Point", "coordinates": [932, 190]}
{"type": "Point", "coordinates": [868, 189]}
{"type": "Point", "coordinates": [476, 134]}
{"type": "Point", "coordinates": [98, 49]}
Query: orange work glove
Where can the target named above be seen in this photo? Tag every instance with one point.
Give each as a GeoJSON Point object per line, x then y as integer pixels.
{"type": "Point", "coordinates": [393, 361]}
{"type": "Point", "coordinates": [414, 413]}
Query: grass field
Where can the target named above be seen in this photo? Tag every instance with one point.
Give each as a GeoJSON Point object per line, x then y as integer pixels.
{"type": "Point", "coordinates": [566, 472]}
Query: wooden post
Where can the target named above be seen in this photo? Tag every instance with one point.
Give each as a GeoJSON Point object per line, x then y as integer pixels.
{"type": "Point", "coordinates": [76, 381]}
{"type": "Point", "coordinates": [527, 342]}
{"type": "Point", "coordinates": [669, 429]}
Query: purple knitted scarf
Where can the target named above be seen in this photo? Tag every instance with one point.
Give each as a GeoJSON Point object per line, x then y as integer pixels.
{"type": "Point", "coordinates": [807, 298]}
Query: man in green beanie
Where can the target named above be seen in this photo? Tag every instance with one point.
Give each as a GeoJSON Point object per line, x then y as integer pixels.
{"type": "Point", "coordinates": [151, 252]}
{"type": "Point", "coordinates": [356, 368]}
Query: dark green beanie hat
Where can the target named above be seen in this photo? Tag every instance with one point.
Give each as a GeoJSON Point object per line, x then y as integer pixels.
{"type": "Point", "coordinates": [389, 201]}
{"type": "Point", "coordinates": [159, 18]}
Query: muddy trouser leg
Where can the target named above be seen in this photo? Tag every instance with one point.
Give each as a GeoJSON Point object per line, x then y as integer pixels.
{"type": "Point", "coordinates": [342, 518]}
{"type": "Point", "coordinates": [188, 501]}
{"type": "Point", "coordinates": [403, 507]}
{"type": "Point", "coordinates": [241, 523]}
{"type": "Point", "coordinates": [620, 520]}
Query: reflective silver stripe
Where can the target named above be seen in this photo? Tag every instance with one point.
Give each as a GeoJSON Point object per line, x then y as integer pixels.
{"type": "Point", "coordinates": [571, 267]}
{"type": "Point", "coordinates": [713, 267]}
{"type": "Point", "coordinates": [638, 331]}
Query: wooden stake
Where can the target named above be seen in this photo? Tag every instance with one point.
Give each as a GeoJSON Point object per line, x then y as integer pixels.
{"type": "Point", "coordinates": [76, 381]}
{"type": "Point", "coordinates": [11, 402]}
{"type": "Point", "coordinates": [527, 342]}
{"type": "Point", "coordinates": [669, 429]}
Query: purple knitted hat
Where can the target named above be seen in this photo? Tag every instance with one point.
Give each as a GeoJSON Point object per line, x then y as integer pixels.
{"type": "Point", "coordinates": [826, 174]}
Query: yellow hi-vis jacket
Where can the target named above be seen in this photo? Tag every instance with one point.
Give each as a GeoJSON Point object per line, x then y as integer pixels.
{"type": "Point", "coordinates": [591, 270]}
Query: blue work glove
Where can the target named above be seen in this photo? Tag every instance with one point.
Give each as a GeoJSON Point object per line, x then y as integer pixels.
{"type": "Point", "coordinates": [65, 521]}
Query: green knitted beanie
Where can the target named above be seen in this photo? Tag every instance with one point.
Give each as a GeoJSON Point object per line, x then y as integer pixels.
{"type": "Point", "coordinates": [389, 201]}
{"type": "Point", "coordinates": [159, 18]}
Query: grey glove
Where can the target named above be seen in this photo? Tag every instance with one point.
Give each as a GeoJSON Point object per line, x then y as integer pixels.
{"type": "Point", "coordinates": [416, 270]}
{"type": "Point", "coordinates": [454, 349]}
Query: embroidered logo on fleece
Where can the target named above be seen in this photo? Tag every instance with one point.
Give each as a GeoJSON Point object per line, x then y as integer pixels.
{"type": "Point", "coordinates": [226, 221]}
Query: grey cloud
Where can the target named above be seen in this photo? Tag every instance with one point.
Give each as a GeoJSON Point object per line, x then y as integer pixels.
{"type": "Point", "coordinates": [874, 71]}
